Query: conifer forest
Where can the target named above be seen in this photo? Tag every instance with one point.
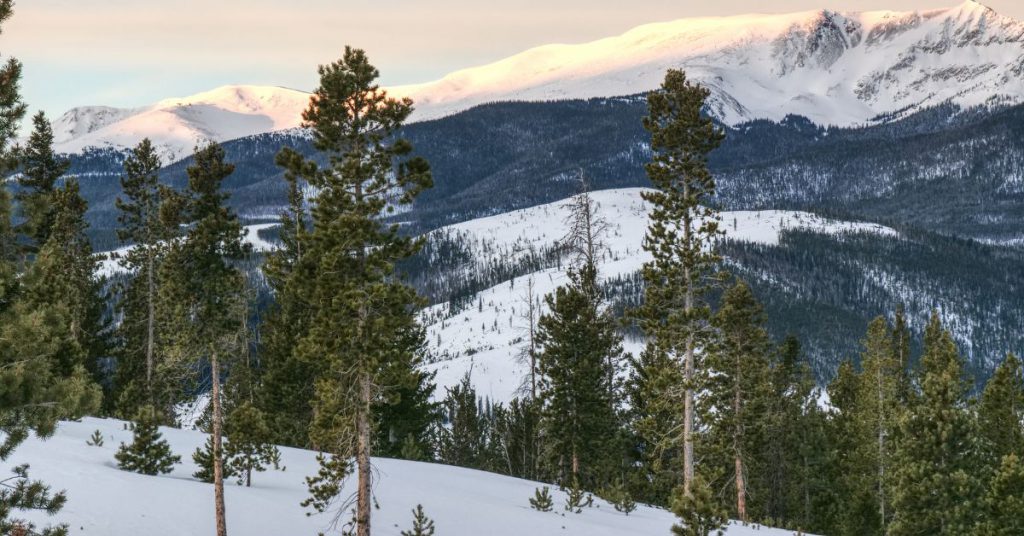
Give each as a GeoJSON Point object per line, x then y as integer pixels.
{"type": "Point", "coordinates": [744, 275]}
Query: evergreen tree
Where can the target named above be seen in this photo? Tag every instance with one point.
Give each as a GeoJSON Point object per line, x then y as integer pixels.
{"type": "Point", "coordinates": [207, 291]}
{"type": "Point", "coordinates": [41, 169]}
{"type": "Point", "coordinates": [738, 388]}
{"type": "Point", "coordinates": [541, 500]}
{"type": "Point", "coordinates": [421, 524]}
{"type": "Point", "coordinates": [878, 408]}
{"type": "Point", "coordinates": [680, 238]}
{"type": "Point", "coordinates": [1001, 410]}
{"type": "Point", "coordinates": [148, 453]}
{"type": "Point", "coordinates": [847, 503]}
{"type": "Point", "coordinates": [248, 448]}
{"type": "Point", "coordinates": [654, 421]}
{"type": "Point", "coordinates": [937, 487]}
{"type": "Point", "coordinates": [361, 318]}
{"type": "Point", "coordinates": [203, 458]}
{"type": "Point", "coordinates": [405, 416]}
{"type": "Point", "coordinates": [1002, 512]}
{"type": "Point", "coordinates": [286, 388]}
{"type": "Point", "coordinates": [464, 441]}
{"type": "Point", "coordinates": [64, 274]}
{"type": "Point", "coordinates": [149, 218]}
{"type": "Point", "coordinates": [698, 511]}
{"type": "Point", "coordinates": [577, 415]}
{"type": "Point", "coordinates": [36, 390]}
{"type": "Point", "coordinates": [516, 429]}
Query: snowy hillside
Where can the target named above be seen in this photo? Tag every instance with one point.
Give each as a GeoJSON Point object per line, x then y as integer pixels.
{"type": "Point", "coordinates": [175, 125]}
{"type": "Point", "coordinates": [487, 337]}
{"type": "Point", "coordinates": [834, 68]}
{"type": "Point", "coordinates": [105, 501]}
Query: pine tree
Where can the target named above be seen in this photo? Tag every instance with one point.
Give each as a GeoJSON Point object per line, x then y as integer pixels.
{"type": "Point", "coordinates": [698, 511]}
{"type": "Point", "coordinates": [148, 453]}
{"type": "Point", "coordinates": [362, 318]}
{"type": "Point", "coordinates": [149, 218]}
{"type": "Point", "coordinates": [248, 448]}
{"type": "Point", "coordinates": [37, 392]}
{"type": "Point", "coordinates": [207, 290]}
{"type": "Point", "coordinates": [421, 524]}
{"type": "Point", "coordinates": [578, 342]}
{"type": "Point", "coordinates": [680, 238]}
{"type": "Point", "coordinates": [64, 274]}
{"type": "Point", "coordinates": [878, 408]}
{"type": "Point", "coordinates": [203, 458]}
{"type": "Point", "coordinates": [738, 387]}
{"type": "Point", "coordinates": [286, 389]}
{"type": "Point", "coordinates": [41, 169]}
{"type": "Point", "coordinates": [406, 415]}
{"type": "Point", "coordinates": [1002, 509]}
{"type": "Point", "coordinates": [937, 468]}
{"type": "Point", "coordinates": [464, 441]}
{"type": "Point", "coordinates": [1001, 411]}
{"type": "Point", "coordinates": [654, 421]}
{"type": "Point", "coordinates": [541, 500]}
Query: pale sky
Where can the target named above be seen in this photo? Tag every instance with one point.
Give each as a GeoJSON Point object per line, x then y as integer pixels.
{"type": "Point", "coordinates": [134, 52]}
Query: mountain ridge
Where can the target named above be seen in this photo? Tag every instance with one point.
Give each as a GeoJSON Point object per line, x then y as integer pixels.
{"type": "Point", "coordinates": [835, 68]}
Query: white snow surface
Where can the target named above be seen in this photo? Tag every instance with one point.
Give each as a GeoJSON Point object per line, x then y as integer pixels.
{"type": "Point", "coordinates": [105, 501]}
{"type": "Point", "coordinates": [488, 337]}
{"type": "Point", "coordinates": [177, 125]}
{"type": "Point", "coordinates": [836, 68]}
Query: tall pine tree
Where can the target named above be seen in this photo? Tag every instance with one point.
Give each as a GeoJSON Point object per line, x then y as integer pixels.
{"type": "Point", "coordinates": [681, 235]}
{"type": "Point", "coordinates": [361, 317]}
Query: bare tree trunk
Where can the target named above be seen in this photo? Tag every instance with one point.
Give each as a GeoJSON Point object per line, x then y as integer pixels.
{"type": "Point", "coordinates": [150, 324]}
{"type": "Point", "coordinates": [363, 458]}
{"type": "Point", "coordinates": [741, 484]}
{"type": "Point", "coordinates": [881, 450]}
{"type": "Point", "coordinates": [218, 461]}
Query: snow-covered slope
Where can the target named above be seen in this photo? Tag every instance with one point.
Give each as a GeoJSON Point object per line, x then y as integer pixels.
{"type": "Point", "coordinates": [834, 68]}
{"type": "Point", "coordinates": [105, 501]}
{"type": "Point", "coordinates": [175, 125]}
{"type": "Point", "coordinates": [487, 338]}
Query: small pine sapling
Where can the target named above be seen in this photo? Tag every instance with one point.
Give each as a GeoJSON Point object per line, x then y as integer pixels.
{"type": "Point", "coordinates": [541, 500]}
{"type": "Point", "coordinates": [149, 453]}
{"type": "Point", "coordinates": [575, 498]}
{"type": "Point", "coordinates": [21, 493]}
{"type": "Point", "coordinates": [95, 440]}
{"type": "Point", "coordinates": [421, 524]}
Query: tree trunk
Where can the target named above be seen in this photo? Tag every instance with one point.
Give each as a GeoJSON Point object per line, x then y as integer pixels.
{"type": "Point", "coordinates": [218, 462]}
{"type": "Point", "coordinates": [688, 366]}
{"type": "Point", "coordinates": [737, 440]}
{"type": "Point", "coordinates": [363, 458]}
{"type": "Point", "coordinates": [150, 325]}
{"type": "Point", "coordinates": [881, 450]}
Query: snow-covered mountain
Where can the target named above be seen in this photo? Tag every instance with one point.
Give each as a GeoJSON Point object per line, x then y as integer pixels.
{"type": "Point", "coordinates": [486, 338]}
{"type": "Point", "coordinates": [176, 125]}
{"type": "Point", "coordinates": [104, 500]}
{"type": "Point", "coordinates": [834, 68]}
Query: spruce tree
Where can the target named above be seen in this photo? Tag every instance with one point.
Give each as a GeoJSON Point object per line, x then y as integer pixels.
{"type": "Point", "coordinates": [936, 460]}
{"type": "Point", "coordinates": [738, 388]}
{"type": "Point", "coordinates": [41, 169]}
{"type": "Point", "coordinates": [362, 317]}
{"type": "Point", "coordinates": [463, 441]}
{"type": "Point", "coordinates": [681, 235]}
{"type": "Point", "coordinates": [148, 221]}
{"type": "Point", "coordinates": [148, 453]}
{"type": "Point", "coordinates": [203, 458]}
{"type": "Point", "coordinates": [578, 422]}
